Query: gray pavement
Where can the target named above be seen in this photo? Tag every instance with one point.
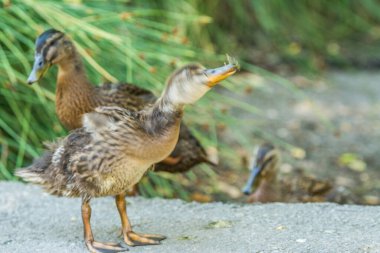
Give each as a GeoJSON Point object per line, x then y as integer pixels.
{"type": "Point", "coordinates": [33, 221]}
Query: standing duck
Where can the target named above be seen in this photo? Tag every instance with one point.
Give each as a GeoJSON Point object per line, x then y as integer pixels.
{"type": "Point", "coordinates": [268, 188]}
{"type": "Point", "coordinates": [75, 96]}
{"type": "Point", "coordinates": [116, 146]}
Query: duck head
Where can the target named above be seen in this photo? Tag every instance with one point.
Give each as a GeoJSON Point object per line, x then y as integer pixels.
{"type": "Point", "coordinates": [265, 166]}
{"type": "Point", "coordinates": [191, 82]}
{"type": "Point", "coordinates": [52, 47]}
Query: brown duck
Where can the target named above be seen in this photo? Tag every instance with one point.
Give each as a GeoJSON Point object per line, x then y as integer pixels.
{"type": "Point", "coordinates": [116, 146]}
{"type": "Point", "coordinates": [268, 188]}
{"type": "Point", "coordinates": [75, 96]}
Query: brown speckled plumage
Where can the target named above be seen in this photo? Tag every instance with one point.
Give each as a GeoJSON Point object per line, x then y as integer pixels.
{"type": "Point", "coordinates": [116, 146]}
{"type": "Point", "coordinates": [104, 158]}
{"type": "Point", "coordinates": [75, 96]}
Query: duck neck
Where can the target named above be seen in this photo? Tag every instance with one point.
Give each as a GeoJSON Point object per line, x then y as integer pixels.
{"type": "Point", "coordinates": [72, 75]}
{"type": "Point", "coordinates": [74, 92]}
{"type": "Point", "coordinates": [163, 116]}
{"type": "Point", "coordinates": [267, 190]}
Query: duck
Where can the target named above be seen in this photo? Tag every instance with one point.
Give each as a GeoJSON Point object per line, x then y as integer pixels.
{"type": "Point", "coordinates": [264, 186]}
{"type": "Point", "coordinates": [116, 147]}
{"type": "Point", "coordinates": [75, 96]}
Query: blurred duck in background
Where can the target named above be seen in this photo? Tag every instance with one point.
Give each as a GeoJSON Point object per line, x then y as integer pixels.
{"type": "Point", "coordinates": [264, 186]}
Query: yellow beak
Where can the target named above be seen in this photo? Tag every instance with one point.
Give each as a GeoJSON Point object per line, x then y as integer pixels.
{"type": "Point", "coordinates": [219, 74]}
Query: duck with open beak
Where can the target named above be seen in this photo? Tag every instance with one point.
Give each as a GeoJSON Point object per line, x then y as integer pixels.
{"type": "Point", "coordinates": [219, 74]}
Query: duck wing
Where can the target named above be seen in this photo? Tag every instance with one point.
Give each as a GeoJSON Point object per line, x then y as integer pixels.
{"type": "Point", "coordinates": [188, 150]}
{"type": "Point", "coordinates": [124, 95]}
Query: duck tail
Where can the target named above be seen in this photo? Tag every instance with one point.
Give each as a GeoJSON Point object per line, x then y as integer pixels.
{"type": "Point", "coordinates": [29, 174]}
{"type": "Point", "coordinates": [36, 173]}
{"type": "Point", "coordinates": [211, 156]}
{"type": "Point", "coordinates": [209, 161]}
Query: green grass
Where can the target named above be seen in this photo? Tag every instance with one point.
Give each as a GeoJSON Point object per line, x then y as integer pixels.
{"type": "Point", "coordinates": [305, 35]}
{"type": "Point", "coordinates": [132, 43]}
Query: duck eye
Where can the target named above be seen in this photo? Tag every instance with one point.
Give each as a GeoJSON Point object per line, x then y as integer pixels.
{"type": "Point", "coordinates": [53, 43]}
{"type": "Point", "coordinates": [269, 158]}
{"type": "Point", "coordinates": [40, 64]}
{"type": "Point", "coordinates": [266, 161]}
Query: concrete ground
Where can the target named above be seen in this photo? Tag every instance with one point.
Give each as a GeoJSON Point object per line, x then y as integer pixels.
{"type": "Point", "coordinates": [33, 221]}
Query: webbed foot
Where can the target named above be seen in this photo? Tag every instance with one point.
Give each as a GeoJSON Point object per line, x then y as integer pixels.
{"type": "Point", "coordinates": [104, 247]}
{"type": "Point", "coordinates": [136, 239]}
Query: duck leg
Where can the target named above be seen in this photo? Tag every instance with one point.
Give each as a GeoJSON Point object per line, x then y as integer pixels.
{"type": "Point", "coordinates": [132, 238]}
{"type": "Point", "coordinates": [93, 246]}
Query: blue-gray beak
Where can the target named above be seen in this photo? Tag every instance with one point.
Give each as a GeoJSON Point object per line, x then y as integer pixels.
{"type": "Point", "coordinates": [251, 180]}
{"type": "Point", "coordinates": [39, 69]}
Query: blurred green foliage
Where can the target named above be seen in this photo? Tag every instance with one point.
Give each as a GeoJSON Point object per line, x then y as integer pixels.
{"type": "Point", "coordinates": [306, 35]}
{"type": "Point", "coordinates": [142, 45]}
{"type": "Point", "coordinates": [143, 41]}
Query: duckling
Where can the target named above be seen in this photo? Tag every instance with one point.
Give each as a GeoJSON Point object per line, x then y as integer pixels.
{"type": "Point", "coordinates": [75, 96]}
{"type": "Point", "coordinates": [116, 146]}
{"type": "Point", "coordinates": [299, 188]}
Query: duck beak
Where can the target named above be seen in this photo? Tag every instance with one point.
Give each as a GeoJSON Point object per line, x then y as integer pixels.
{"type": "Point", "coordinates": [39, 69]}
{"type": "Point", "coordinates": [219, 74]}
{"type": "Point", "coordinates": [251, 180]}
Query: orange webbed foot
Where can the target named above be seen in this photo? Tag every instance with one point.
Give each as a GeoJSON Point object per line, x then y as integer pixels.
{"type": "Point", "coordinates": [136, 239]}
{"type": "Point", "coordinates": [104, 247]}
